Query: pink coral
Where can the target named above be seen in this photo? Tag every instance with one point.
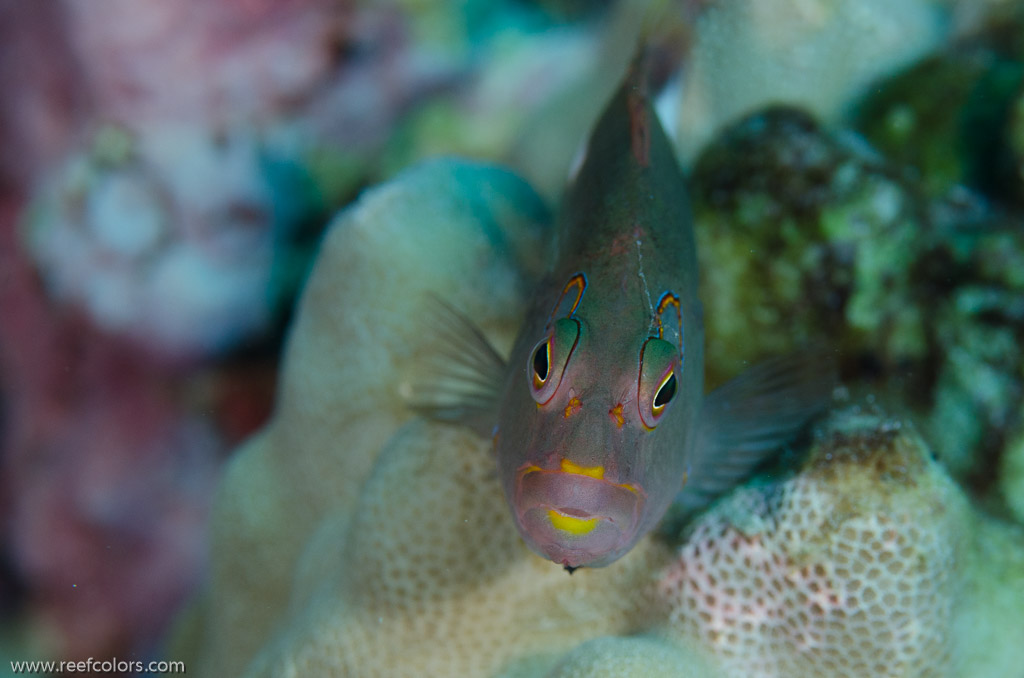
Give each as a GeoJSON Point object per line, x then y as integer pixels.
{"type": "Point", "coordinates": [107, 473]}
{"type": "Point", "coordinates": [226, 62]}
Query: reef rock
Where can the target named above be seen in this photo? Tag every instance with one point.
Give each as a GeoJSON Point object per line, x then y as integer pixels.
{"type": "Point", "coordinates": [806, 234]}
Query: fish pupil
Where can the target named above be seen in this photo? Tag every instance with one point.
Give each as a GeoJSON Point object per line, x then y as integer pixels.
{"type": "Point", "coordinates": [665, 393]}
{"type": "Point", "coordinates": [540, 361]}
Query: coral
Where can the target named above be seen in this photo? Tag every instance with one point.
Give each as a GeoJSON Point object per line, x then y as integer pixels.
{"type": "Point", "coordinates": [469, 234]}
{"type": "Point", "coordinates": [177, 217]}
{"type": "Point", "coordinates": [429, 578]}
{"type": "Point", "coordinates": [634, 657]}
{"type": "Point", "coordinates": [816, 55]}
{"type": "Point", "coordinates": [213, 142]}
{"type": "Point", "coordinates": [106, 478]}
{"type": "Point", "coordinates": [37, 63]}
{"type": "Point", "coordinates": [991, 601]}
{"type": "Point", "coordinates": [230, 63]}
{"type": "Point", "coordinates": [132, 232]}
{"type": "Point", "coordinates": [851, 568]}
{"type": "Point", "coordinates": [866, 559]}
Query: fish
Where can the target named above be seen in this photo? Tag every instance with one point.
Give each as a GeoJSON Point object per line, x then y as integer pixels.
{"type": "Point", "coordinates": [598, 415]}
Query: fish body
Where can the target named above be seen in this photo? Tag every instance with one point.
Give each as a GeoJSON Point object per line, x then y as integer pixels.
{"type": "Point", "coordinates": [598, 415]}
{"type": "Point", "coordinates": [625, 276]}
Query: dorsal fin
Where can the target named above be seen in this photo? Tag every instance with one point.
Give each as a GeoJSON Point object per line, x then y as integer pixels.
{"type": "Point", "coordinates": [628, 157]}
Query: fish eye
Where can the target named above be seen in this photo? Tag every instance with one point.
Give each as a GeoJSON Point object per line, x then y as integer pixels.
{"type": "Point", "coordinates": [665, 392]}
{"type": "Point", "coordinates": [658, 382]}
{"type": "Point", "coordinates": [550, 357]}
{"type": "Point", "coordinates": [541, 363]}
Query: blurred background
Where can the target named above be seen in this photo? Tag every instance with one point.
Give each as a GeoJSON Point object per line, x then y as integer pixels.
{"type": "Point", "coordinates": [166, 171]}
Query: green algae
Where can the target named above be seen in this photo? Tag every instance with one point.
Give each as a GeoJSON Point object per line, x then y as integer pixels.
{"type": "Point", "coordinates": [946, 117]}
{"type": "Point", "coordinates": [803, 238]}
{"type": "Point", "coordinates": [954, 116]}
{"type": "Point", "coordinates": [808, 235]}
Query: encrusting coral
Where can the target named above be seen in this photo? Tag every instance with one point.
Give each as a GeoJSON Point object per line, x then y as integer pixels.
{"type": "Point", "coordinates": [867, 561]}
{"type": "Point", "coordinates": [852, 567]}
{"type": "Point", "coordinates": [429, 578]}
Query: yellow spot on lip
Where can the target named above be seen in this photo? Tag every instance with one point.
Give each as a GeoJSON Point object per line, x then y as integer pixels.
{"type": "Point", "coordinates": [592, 471]}
{"type": "Point", "coordinates": [570, 524]}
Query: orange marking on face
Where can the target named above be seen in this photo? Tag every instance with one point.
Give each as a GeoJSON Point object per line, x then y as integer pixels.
{"type": "Point", "coordinates": [574, 406]}
{"type": "Point", "coordinates": [616, 414]}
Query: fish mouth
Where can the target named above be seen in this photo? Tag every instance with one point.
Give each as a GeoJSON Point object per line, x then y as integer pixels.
{"type": "Point", "coordinates": [576, 518]}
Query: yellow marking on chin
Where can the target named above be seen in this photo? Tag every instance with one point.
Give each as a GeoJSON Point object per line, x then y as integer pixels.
{"type": "Point", "coordinates": [570, 524]}
{"type": "Point", "coordinates": [573, 407]}
{"type": "Point", "coordinates": [616, 413]}
{"type": "Point", "coordinates": [592, 471]}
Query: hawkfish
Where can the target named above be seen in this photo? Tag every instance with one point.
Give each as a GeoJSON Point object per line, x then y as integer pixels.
{"type": "Point", "coordinates": [598, 416]}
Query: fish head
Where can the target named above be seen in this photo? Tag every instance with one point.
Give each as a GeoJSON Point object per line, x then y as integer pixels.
{"type": "Point", "coordinates": [590, 439]}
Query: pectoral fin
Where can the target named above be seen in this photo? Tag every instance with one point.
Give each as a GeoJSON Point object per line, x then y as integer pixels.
{"type": "Point", "coordinates": [461, 382]}
{"type": "Point", "coordinates": [749, 419]}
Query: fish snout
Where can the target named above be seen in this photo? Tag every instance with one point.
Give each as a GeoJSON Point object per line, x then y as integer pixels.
{"type": "Point", "coordinates": [574, 516]}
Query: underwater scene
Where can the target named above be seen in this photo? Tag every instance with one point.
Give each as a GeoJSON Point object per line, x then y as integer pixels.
{"type": "Point", "coordinates": [512, 338]}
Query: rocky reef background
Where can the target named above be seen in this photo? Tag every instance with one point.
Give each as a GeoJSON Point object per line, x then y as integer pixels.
{"type": "Point", "coordinates": [166, 177]}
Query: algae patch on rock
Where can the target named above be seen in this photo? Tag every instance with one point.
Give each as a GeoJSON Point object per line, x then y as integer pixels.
{"type": "Point", "coordinates": [809, 234]}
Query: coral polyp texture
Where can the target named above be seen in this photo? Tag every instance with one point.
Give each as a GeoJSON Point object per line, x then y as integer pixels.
{"type": "Point", "coordinates": [429, 578]}
{"type": "Point", "coordinates": [850, 568]}
{"type": "Point", "coordinates": [353, 539]}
